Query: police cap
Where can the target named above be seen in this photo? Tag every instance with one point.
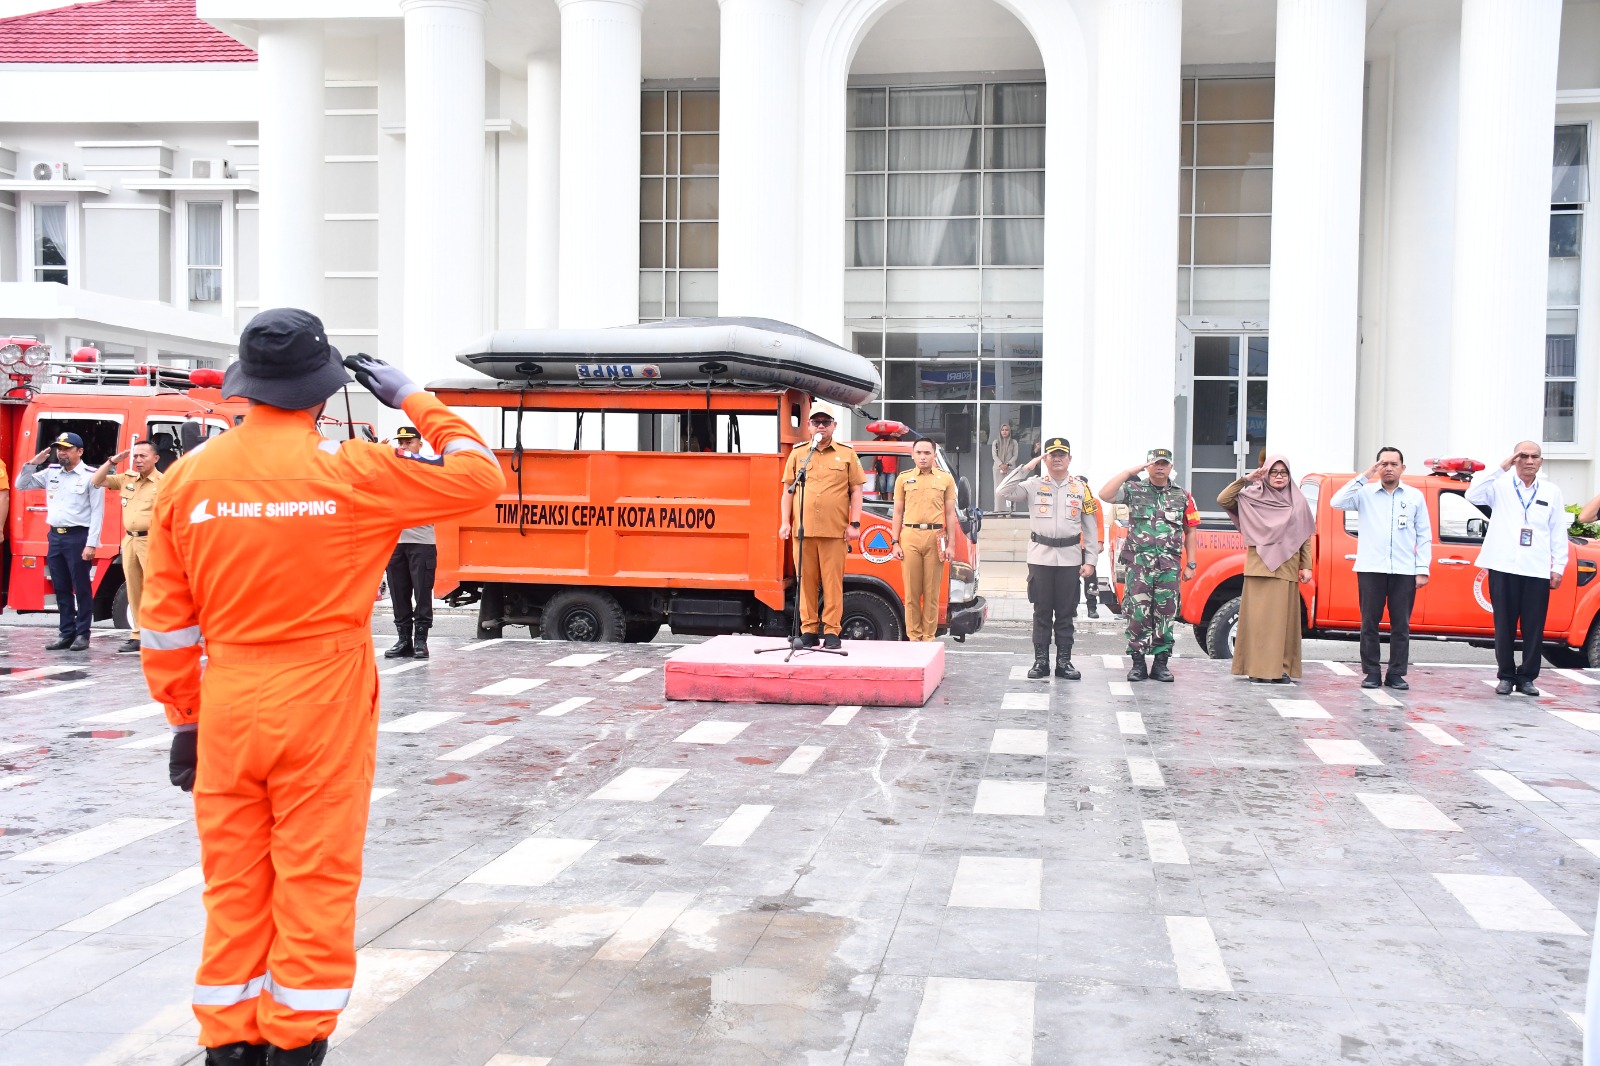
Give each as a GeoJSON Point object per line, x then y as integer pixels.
{"type": "Point", "coordinates": [69, 440]}
{"type": "Point", "coordinates": [407, 433]}
{"type": "Point", "coordinates": [1058, 444]}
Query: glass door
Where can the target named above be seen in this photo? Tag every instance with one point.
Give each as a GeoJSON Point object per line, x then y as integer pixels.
{"type": "Point", "coordinates": [1227, 413]}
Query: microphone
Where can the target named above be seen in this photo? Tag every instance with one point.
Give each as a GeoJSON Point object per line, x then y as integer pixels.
{"type": "Point", "coordinates": [816, 439]}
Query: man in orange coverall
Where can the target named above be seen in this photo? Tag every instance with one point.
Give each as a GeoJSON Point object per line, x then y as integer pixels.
{"type": "Point", "coordinates": [267, 544]}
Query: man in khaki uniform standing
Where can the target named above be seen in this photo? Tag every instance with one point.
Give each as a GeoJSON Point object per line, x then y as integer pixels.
{"type": "Point", "coordinates": [138, 491]}
{"type": "Point", "coordinates": [924, 512]}
{"type": "Point", "coordinates": [831, 516]}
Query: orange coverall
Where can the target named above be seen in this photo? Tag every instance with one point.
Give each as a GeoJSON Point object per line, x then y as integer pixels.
{"type": "Point", "coordinates": [268, 543]}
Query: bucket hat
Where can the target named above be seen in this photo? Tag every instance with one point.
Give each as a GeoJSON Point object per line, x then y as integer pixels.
{"type": "Point", "coordinates": [285, 361]}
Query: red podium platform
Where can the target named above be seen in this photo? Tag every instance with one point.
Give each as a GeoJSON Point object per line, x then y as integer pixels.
{"type": "Point", "coordinates": [876, 673]}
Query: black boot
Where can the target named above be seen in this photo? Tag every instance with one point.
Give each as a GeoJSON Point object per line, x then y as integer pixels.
{"type": "Point", "coordinates": [419, 647]}
{"type": "Point", "coordinates": [1064, 667]}
{"type": "Point", "coordinates": [310, 1055]}
{"type": "Point", "coordinates": [1158, 669]}
{"type": "Point", "coordinates": [403, 647]}
{"type": "Point", "coordinates": [237, 1055]}
{"type": "Point", "coordinates": [1138, 673]}
{"type": "Point", "coordinates": [1041, 665]}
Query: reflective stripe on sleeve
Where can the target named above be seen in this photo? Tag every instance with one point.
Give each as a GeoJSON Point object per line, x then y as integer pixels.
{"type": "Point", "coordinates": [228, 995]}
{"type": "Point", "coordinates": [172, 640]}
{"type": "Point", "coordinates": [308, 998]}
{"type": "Point", "coordinates": [465, 444]}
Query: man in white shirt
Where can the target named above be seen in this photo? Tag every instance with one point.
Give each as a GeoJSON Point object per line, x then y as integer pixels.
{"type": "Point", "coordinates": [1394, 548]}
{"type": "Point", "coordinates": [1525, 552]}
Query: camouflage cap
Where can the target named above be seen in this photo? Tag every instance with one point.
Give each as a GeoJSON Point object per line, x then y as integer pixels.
{"type": "Point", "coordinates": [1158, 455]}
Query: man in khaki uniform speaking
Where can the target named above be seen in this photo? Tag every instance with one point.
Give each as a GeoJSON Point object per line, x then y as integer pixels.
{"type": "Point", "coordinates": [830, 517]}
{"type": "Point", "coordinates": [138, 491]}
{"type": "Point", "coordinates": [924, 512]}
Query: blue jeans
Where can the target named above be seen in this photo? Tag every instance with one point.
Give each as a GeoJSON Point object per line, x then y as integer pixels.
{"type": "Point", "coordinates": [73, 578]}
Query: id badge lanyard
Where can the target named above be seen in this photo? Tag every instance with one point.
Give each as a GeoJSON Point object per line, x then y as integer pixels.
{"type": "Point", "coordinates": [1525, 539]}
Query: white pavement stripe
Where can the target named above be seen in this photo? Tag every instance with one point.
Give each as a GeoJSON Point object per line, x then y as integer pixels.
{"type": "Point", "coordinates": [801, 759]}
{"type": "Point", "coordinates": [1007, 884]}
{"type": "Point", "coordinates": [418, 721]}
{"type": "Point", "coordinates": [477, 747]}
{"type": "Point", "coordinates": [1145, 773]}
{"type": "Point", "coordinates": [1025, 701]}
{"type": "Point", "coordinates": [1577, 675]}
{"type": "Point", "coordinates": [379, 793]}
{"type": "Point", "coordinates": [532, 863]}
{"type": "Point", "coordinates": [403, 667]}
{"type": "Point", "coordinates": [1120, 688]}
{"type": "Point", "coordinates": [1435, 734]}
{"type": "Point", "coordinates": [1130, 723]}
{"type": "Point", "coordinates": [1582, 719]}
{"type": "Point", "coordinates": [483, 644]}
{"type": "Point", "coordinates": [1337, 667]}
{"type": "Point", "coordinates": [1512, 787]}
{"type": "Point", "coordinates": [93, 843]}
{"type": "Point", "coordinates": [132, 714]}
{"type": "Point", "coordinates": [842, 714]}
{"type": "Point", "coordinates": [630, 676]}
{"type": "Point", "coordinates": [1196, 955]}
{"type": "Point", "coordinates": [1113, 662]}
{"type": "Point", "coordinates": [40, 671]}
{"type": "Point", "coordinates": [1398, 811]}
{"type": "Point", "coordinates": [510, 686]}
{"type": "Point", "coordinates": [638, 784]}
{"type": "Point", "coordinates": [711, 732]}
{"type": "Point", "coordinates": [1020, 742]}
{"type": "Point", "coordinates": [737, 827]}
{"type": "Point", "coordinates": [383, 976]}
{"type": "Point", "coordinates": [565, 706]}
{"type": "Point", "coordinates": [14, 780]}
{"type": "Point", "coordinates": [1576, 1018]}
{"type": "Point", "coordinates": [1299, 709]}
{"type": "Point", "coordinates": [51, 690]}
{"type": "Point", "coordinates": [160, 740]}
{"type": "Point", "coordinates": [1010, 797]}
{"type": "Point", "coordinates": [1507, 904]}
{"type": "Point", "coordinates": [1343, 752]}
{"type": "Point", "coordinates": [7, 749]}
{"type": "Point", "coordinates": [1165, 843]}
{"type": "Point", "coordinates": [644, 927]}
{"type": "Point", "coordinates": [504, 1059]}
{"type": "Point", "coordinates": [104, 918]}
{"type": "Point", "coordinates": [1591, 845]}
{"type": "Point", "coordinates": [582, 659]}
{"type": "Point", "coordinates": [964, 1022]}
{"type": "Point", "coordinates": [1381, 698]}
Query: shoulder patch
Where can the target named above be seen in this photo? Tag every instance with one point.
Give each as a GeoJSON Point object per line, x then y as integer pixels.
{"type": "Point", "coordinates": [330, 446]}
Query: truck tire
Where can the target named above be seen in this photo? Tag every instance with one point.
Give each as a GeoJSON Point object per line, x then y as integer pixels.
{"type": "Point", "coordinates": [1223, 630]}
{"type": "Point", "coordinates": [1591, 647]}
{"type": "Point", "coordinates": [583, 615]}
{"type": "Point", "coordinates": [868, 616]}
{"type": "Point", "coordinates": [119, 608]}
{"type": "Point", "coordinates": [1564, 658]}
{"type": "Point", "coordinates": [1202, 631]}
{"type": "Point", "coordinates": [641, 632]}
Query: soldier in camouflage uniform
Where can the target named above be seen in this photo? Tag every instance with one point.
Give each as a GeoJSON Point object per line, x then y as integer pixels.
{"type": "Point", "coordinates": [1161, 522]}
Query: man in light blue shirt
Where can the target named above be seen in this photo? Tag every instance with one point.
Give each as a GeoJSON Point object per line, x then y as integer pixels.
{"type": "Point", "coordinates": [1394, 549]}
{"type": "Point", "coordinates": [75, 509]}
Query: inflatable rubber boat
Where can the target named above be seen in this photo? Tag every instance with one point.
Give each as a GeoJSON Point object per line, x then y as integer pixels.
{"type": "Point", "coordinates": [682, 352]}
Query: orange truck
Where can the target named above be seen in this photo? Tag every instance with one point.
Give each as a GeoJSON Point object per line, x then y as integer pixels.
{"type": "Point", "coordinates": [110, 406]}
{"type": "Point", "coordinates": [1454, 605]}
{"type": "Point", "coordinates": [632, 502]}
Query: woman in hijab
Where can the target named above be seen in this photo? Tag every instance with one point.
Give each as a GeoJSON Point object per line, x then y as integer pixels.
{"type": "Point", "coordinates": [1277, 525]}
{"type": "Point", "coordinates": [1004, 450]}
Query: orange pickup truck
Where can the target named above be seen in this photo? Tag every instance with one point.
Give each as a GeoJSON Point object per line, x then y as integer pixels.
{"type": "Point", "coordinates": [1454, 605]}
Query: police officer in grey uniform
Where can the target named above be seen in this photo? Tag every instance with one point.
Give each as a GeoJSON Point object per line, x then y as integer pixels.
{"type": "Point", "coordinates": [410, 572]}
{"type": "Point", "coordinates": [1064, 542]}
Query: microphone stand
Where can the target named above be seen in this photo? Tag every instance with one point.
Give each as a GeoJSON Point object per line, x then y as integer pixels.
{"type": "Point", "coordinates": [795, 644]}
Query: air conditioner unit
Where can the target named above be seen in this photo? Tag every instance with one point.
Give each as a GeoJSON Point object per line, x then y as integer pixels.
{"type": "Point", "coordinates": [50, 172]}
{"type": "Point", "coordinates": [209, 169]}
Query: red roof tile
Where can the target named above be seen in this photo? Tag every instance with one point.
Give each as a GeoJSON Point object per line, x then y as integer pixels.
{"type": "Point", "coordinates": [118, 31]}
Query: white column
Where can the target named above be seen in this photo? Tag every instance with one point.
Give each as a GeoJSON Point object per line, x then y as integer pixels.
{"type": "Point", "coordinates": [600, 74]}
{"type": "Point", "coordinates": [291, 156]}
{"type": "Point", "coordinates": [444, 251]}
{"type": "Point", "coordinates": [1504, 144]}
{"type": "Point", "coordinates": [1420, 243]}
{"type": "Point", "coordinates": [1135, 241]}
{"type": "Point", "coordinates": [759, 185]}
{"type": "Point", "coordinates": [544, 188]}
{"type": "Point", "coordinates": [1316, 232]}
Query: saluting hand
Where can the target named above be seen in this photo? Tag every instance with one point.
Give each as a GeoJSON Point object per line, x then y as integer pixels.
{"type": "Point", "coordinates": [41, 457]}
{"type": "Point", "coordinates": [1256, 475]}
{"type": "Point", "coordinates": [1372, 472]}
{"type": "Point", "coordinates": [123, 454]}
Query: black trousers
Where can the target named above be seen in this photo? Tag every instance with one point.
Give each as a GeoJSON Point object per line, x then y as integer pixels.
{"type": "Point", "coordinates": [1397, 592]}
{"type": "Point", "coordinates": [1053, 591]}
{"type": "Point", "coordinates": [411, 579]}
{"type": "Point", "coordinates": [72, 577]}
{"type": "Point", "coordinates": [1518, 599]}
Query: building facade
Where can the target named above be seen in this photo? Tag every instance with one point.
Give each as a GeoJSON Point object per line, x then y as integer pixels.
{"type": "Point", "coordinates": [1227, 226]}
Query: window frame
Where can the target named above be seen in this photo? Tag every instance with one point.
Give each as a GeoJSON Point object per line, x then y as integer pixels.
{"type": "Point", "coordinates": [27, 202]}
{"type": "Point", "coordinates": [1586, 379]}
{"type": "Point", "coordinates": [225, 306]}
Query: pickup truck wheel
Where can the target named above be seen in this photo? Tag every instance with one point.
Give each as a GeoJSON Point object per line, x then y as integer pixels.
{"type": "Point", "coordinates": [1591, 647]}
{"type": "Point", "coordinates": [119, 608]}
{"type": "Point", "coordinates": [1223, 631]}
{"type": "Point", "coordinates": [867, 616]}
{"type": "Point", "coordinates": [583, 615]}
{"type": "Point", "coordinates": [1201, 631]}
{"type": "Point", "coordinates": [1564, 658]}
{"type": "Point", "coordinates": [641, 632]}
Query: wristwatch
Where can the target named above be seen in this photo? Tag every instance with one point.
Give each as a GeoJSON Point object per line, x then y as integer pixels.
{"type": "Point", "coordinates": [1190, 565]}
{"type": "Point", "coordinates": [856, 524]}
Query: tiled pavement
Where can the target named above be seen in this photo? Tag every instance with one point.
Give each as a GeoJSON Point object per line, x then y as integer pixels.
{"type": "Point", "coordinates": [564, 868]}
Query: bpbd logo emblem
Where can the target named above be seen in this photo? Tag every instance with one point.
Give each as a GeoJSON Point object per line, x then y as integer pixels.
{"type": "Point", "coordinates": [876, 547]}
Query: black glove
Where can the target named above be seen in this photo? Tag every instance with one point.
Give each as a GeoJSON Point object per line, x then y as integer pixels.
{"type": "Point", "coordinates": [184, 757]}
{"type": "Point", "coordinates": [389, 384]}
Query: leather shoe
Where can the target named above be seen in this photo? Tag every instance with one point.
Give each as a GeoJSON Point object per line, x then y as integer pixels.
{"type": "Point", "coordinates": [831, 642]}
{"type": "Point", "coordinates": [60, 644]}
{"type": "Point", "coordinates": [1064, 668]}
{"type": "Point", "coordinates": [1399, 683]}
{"type": "Point", "coordinates": [1503, 688]}
{"type": "Point", "coordinates": [1527, 688]}
{"type": "Point", "coordinates": [1040, 668]}
{"type": "Point", "coordinates": [1140, 672]}
{"type": "Point", "coordinates": [240, 1054]}
{"type": "Point", "coordinates": [809, 640]}
{"type": "Point", "coordinates": [310, 1055]}
{"type": "Point", "coordinates": [80, 644]}
{"type": "Point", "coordinates": [128, 647]}
{"type": "Point", "coordinates": [1371, 681]}
{"type": "Point", "coordinates": [1158, 669]}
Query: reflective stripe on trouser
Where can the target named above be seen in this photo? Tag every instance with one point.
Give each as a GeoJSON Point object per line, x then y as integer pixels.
{"type": "Point", "coordinates": [281, 795]}
{"type": "Point", "coordinates": [921, 570]}
{"type": "Point", "coordinates": [822, 566]}
{"type": "Point", "coordinates": [135, 550]}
